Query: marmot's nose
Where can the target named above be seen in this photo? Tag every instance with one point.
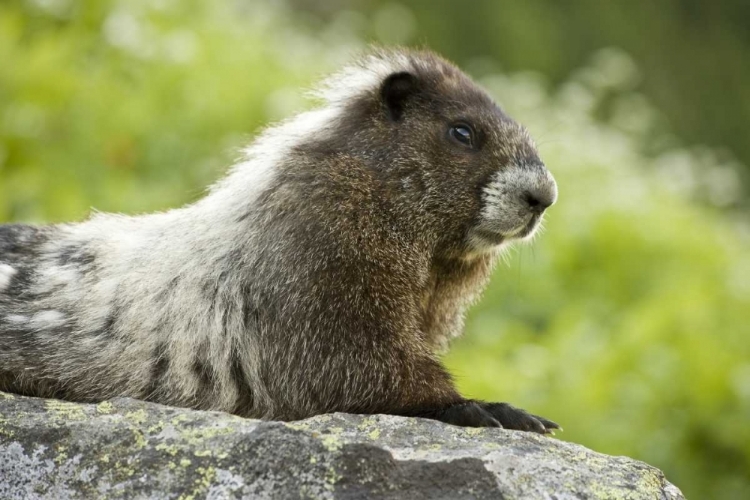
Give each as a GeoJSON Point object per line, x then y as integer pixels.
{"type": "Point", "coordinates": [538, 201]}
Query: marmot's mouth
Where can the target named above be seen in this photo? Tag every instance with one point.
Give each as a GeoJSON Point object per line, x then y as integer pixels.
{"type": "Point", "coordinates": [530, 228]}
{"type": "Point", "coordinates": [494, 238]}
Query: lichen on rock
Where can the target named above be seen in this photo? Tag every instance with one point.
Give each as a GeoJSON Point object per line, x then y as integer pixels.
{"type": "Point", "coordinates": [132, 449]}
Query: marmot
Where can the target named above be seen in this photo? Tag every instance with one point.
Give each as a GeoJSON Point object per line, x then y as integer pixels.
{"type": "Point", "coordinates": [325, 273]}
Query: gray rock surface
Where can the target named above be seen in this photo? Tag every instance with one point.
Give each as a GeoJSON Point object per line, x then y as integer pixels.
{"type": "Point", "coordinates": [131, 449]}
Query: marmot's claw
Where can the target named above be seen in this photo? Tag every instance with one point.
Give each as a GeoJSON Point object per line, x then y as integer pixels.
{"type": "Point", "coordinates": [549, 425]}
{"type": "Point", "coordinates": [514, 418]}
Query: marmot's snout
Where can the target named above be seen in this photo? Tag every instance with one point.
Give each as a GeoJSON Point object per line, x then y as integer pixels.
{"type": "Point", "coordinates": [514, 202]}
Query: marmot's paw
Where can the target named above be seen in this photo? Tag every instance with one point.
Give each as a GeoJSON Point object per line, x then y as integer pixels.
{"type": "Point", "coordinates": [466, 414]}
{"type": "Point", "coordinates": [514, 418]}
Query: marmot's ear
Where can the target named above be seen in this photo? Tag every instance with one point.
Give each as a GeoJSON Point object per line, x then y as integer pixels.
{"type": "Point", "coordinates": [395, 92]}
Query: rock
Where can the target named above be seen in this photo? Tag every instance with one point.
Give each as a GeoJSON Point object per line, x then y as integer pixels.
{"type": "Point", "coordinates": [131, 449]}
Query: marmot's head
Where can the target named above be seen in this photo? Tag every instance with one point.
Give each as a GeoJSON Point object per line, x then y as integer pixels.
{"type": "Point", "coordinates": [441, 146]}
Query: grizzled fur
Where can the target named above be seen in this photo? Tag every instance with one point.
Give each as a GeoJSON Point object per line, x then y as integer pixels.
{"type": "Point", "coordinates": [324, 273]}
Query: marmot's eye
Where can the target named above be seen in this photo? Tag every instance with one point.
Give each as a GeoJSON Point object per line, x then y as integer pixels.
{"type": "Point", "coordinates": [463, 134]}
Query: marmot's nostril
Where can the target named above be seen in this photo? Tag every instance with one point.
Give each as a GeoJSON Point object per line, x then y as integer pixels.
{"type": "Point", "coordinates": [536, 203]}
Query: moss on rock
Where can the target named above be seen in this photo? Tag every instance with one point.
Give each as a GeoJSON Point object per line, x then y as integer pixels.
{"type": "Point", "coordinates": [131, 449]}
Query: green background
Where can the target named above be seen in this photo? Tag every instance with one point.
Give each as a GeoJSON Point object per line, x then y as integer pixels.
{"type": "Point", "coordinates": [626, 320]}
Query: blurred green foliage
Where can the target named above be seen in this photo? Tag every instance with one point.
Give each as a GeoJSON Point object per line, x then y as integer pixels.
{"type": "Point", "coordinates": [626, 321]}
{"type": "Point", "coordinates": [100, 109]}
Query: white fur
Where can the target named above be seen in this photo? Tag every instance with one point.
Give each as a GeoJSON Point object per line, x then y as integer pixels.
{"type": "Point", "coordinates": [47, 319]}
{"type": "Point", "coordinates": [363, 77]}
{"type": "Point", "coordinates": [6, 275]}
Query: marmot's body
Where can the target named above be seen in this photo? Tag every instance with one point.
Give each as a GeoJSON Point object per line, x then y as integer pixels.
{"type": "Point", "coordinates": [323, 274]}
